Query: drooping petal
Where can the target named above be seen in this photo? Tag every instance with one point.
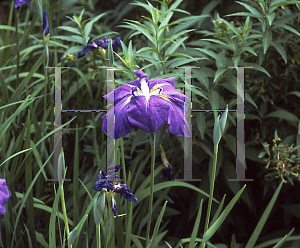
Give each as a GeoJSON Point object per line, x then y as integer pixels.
{"type": "Point", "coordinates": [148, 115]}
{"type": "Point", "coordinates": [46, 28]}
{"type": "Point", "coordinates": [114, 206]}
{"type": "Point", "coordinates": [116, 44]}
{"type": "Point", "coordinates": [122, 124]}
{"type": "Point", "coordinates": [19, 3]}
{"type": "Point", "coordinates": [167, 171]}
{"type": "Point", "coordinates": [86, 49]}
{"type": "Point", "coordinates": [141, 74]}
{"type": "Point", "coordinates": [4, 196]}
{"type": "Point", "coordinates": [99, 185]}
{"type": "Point", "coordinates": [178, 124]}
{"type": "Point", "coordinates": [126, 193]}
{"type": "Point", "coordinates": [105, 43]}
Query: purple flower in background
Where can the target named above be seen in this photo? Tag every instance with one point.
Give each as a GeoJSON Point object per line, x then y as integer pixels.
{"type": "Point", "coordinates": [4, 196]}
{"type": "Point", "coordinates": [147, 105]}
{"type": "Point", "coordinates": [46, 28]}
{"type": "Point", "coordinates": [110, 182]}
{"type": "Point", "coordinates": [96, 44]}
{"type": "Point", "coordinates": [19, 3]}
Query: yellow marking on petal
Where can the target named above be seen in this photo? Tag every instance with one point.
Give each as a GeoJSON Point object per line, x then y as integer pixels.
{"type": "Point", "coordinates": [115, 182]}
{"type": "Point", "coordinates": [164, 97]}
{"type": "Point", "coordinates": [155, 87]}
{"type": "Point", "coordinates": [128, 100]}
{"type": "Point", "coordinates": [139, 90]}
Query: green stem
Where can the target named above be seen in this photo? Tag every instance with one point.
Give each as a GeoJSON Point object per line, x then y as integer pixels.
{"type": "Point", "coordinates": [151, 186]}
{"type": "Point", "coordinates": [98, 236]}
{"type": "Point", "coordinates": [63, 205]}
{"type": "Point", "coordinates": [211, 194]}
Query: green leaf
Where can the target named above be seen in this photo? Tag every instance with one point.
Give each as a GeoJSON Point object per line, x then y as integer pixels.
{"type": "Point", "coordinates": [263, 219]}
{"type": "Point", "coordinates": [196, 227]}
{"type": "Point", "coordinates": [280, 49]}
{"type": "Point", "coordinates": [72, 38]}
{"type": "Point", "coordinates": [219, 42]}
{"type": "Point", "coordinates": [288, 28]}
{"type": "Point", "coordinates": [282, 2]}
{"type": "Point", "coordinates": [157, 224]}
{"type": "Point", "coordinates": [201, 124]}
{"type": "Point", "coordinates": [267, 38]}
{"type": "Point", "coordinates": [296, 93]}
{"type": "Point", "coordinates": [217, 131]}
{"type": "Point", "coordinates": [75, 232]}
{"type": "Point", "coordinates": [142, 194]}
{"type": "Point", "coordinates": [254, 11]}
{"type": "Point", "coordinates": [219, 73]}
{"type": "Point", "coordinates": [88, 27]}
{"type": "Point", "coordinates": [249, 49]}
{"type": "Point", "coordinates": [255, 67]}
{"type": "Point", "coordinates": [280, 243]}
{"type": "Point", "coordinates": [211, 231]}
{"type": "Point", "coordinates": [70, 29]}
{"type": "Point", "coordinates": [270, 17]}
{"type": "Point", "coordinates": [283, 114]}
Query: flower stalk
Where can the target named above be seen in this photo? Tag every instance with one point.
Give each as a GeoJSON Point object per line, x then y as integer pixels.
{"type": "Point", "coordinates": [152, 136]}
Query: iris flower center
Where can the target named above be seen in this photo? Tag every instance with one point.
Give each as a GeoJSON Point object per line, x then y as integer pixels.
{"type": "Point", "coordinates": [145, 91]}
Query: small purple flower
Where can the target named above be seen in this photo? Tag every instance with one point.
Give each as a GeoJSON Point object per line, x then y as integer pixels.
{"type": "Point", "coordinates": [96, 44]}
{"type": "Point", "coordinates": [19, 3]}
{"type": "Point", "coordinates": [110, 181]}
{"type": "Point", "coordinates": [46, 28]}
{"type": "Point", "coordinates": [4, 196]}
{"type": "Point", "coordinates": [147, 105]}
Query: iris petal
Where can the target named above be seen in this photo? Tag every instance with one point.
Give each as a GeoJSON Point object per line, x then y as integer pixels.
{"type": "Point", "coordinates": [122, 124]}
{"type": "Point", "coordinates": [4, 196]}
{"type": "Point", "coordinates": [148, 115]}
{"type": "Point", "coordinates": [19, 3]}
{"type": "Point", "coordinates": [177, 122]}
{"type": "Point", "coordinates": [46, 28]}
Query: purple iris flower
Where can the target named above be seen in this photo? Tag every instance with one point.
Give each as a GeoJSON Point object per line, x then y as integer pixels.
{"type": "Point", "coordinates": [4, 196]}
{"type": "Point", "coordinates": [46, 28]}
{"type": "Point", "coordinates": [19, 3]}
{"type": "Point", "coordinates": [101, 43]}
{"type": "Point", "coordinates": [110, 182]}
{"type": "Point", "coordinates": [147, 105]}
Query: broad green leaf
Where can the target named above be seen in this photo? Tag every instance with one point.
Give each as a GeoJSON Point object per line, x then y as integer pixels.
{"type": "Point", "coordinates": [280, 49]}
{"type": "Point", "coordinates": [72, 38]}
{"type": "Point", "coordinates": [267, 38]}
{"type": "Point", "coordinates": [219, 73]}
{"type": "Point", "coordinates": [282, 2]}
{"type": "Point", "coordinates": [254, 11]}
{"type": "Point", "coordinates": [142, 194]}
{"type": "Point", "coordinates": [249, 49]}
{"type": "Point", "coordinates": [255, 67]}
{"type": "Point", "coordinates": [70, 29]}
{"type": "Point", "coordinates": [75, 232]}
{"type": "Point", "coordinates": [296, 93]}
{"type": "Point", "coordinates": [157, 224]}
{"type": "Point", "coordinates": [88, 27]}
{"type": "Point", "coordinates": [283, 114]}
{"type": "Point", "coordinates": [263, 219]}
{"type": "Point", "coordinates": [289, 28]}
{"type": "Point", "coordinates": [196, 227]}
{"type": "Point", "coordinates": [201, 124]}
{"type": "Point", "coordinates": [270, 17]}
{"type": "Point", "coordinates": [211, 231]}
